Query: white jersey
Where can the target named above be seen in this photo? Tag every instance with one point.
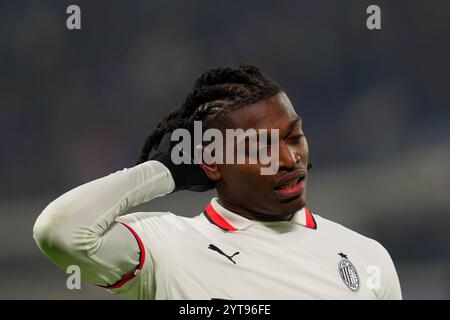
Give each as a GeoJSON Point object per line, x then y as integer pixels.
{"type": "Point", "coordinates": [215, 255]}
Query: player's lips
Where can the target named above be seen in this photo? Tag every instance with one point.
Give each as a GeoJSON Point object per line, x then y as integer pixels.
{"type": "Point", "coordinates": [290, 185]}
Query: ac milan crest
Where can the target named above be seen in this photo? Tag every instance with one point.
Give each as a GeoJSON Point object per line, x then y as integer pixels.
{"type": "Point", "coordinates": [348, 273]}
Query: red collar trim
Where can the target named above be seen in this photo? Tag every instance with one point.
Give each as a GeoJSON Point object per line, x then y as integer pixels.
{"type": "Point", "coordinates": [215, 218]}
{"type": "Point", "coordinates": [229, 221]}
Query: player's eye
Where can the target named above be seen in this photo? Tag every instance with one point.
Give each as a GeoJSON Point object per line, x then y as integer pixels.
{"type": "Point", "coordinates": [296, 138]}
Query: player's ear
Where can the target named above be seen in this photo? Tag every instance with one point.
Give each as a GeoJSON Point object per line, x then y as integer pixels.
{"type": "Point", "coordinates": [209, 166]}
{"type": "Point", "coordinates": [211, 170]}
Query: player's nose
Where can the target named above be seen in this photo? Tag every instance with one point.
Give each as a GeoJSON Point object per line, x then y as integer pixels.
{"type": "Point", "coordinates": [289, 157]}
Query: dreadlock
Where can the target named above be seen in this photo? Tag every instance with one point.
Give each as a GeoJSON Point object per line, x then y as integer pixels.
{"type": "Point", "coordinates": [215, 93]}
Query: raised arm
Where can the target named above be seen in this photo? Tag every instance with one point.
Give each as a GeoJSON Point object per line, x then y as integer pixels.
{"type": "Point", "coordinates": [79, 227]}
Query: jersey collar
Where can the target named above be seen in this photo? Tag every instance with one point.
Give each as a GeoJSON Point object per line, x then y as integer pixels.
{"type": "Point", "coordinates": [230, 221]}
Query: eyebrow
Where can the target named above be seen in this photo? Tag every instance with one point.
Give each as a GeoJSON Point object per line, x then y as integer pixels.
{"type": "Point", "coordinates": [290, 128]}
{"type": "Point", "coordinates": [293, 124]}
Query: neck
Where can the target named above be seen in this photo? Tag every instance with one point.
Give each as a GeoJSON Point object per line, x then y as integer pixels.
{"type": "Point", "coordinates": [253, 215]}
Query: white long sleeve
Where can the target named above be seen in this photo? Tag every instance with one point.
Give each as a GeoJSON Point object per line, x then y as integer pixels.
{"type": "Point", "coordinates": [79, 227]}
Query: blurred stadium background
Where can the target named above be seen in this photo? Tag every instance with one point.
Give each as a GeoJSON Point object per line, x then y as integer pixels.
{"type": "Point", "coordinates": [77, 105]}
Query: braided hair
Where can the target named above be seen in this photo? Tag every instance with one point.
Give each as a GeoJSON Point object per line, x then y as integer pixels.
{"type": "Point", "coordinates": [215, 93]}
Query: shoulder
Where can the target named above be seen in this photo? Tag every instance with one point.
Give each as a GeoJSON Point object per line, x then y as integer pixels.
{"type": "Point", "coordinates": [333, 228]}
{"type": "Point", "coordinates": [336, 232]}
{"type": "Point", "coordinates": [141, 218]}
{"type": "Point", "coordinates": [157, 223]}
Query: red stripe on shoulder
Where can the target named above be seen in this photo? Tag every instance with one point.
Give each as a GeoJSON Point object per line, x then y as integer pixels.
{"type": "Point", "coordinates": [132, 274]}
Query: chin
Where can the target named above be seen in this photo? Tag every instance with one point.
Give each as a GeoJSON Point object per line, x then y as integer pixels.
{"type": "Point", "coordinates": [292, 205]}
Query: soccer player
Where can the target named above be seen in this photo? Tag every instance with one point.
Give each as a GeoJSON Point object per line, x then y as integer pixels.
{"type": "Point", "coordinates": [255, 240]}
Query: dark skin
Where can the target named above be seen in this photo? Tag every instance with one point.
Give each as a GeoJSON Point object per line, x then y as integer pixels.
{"type": "Point", "coordinates": [241, 187]}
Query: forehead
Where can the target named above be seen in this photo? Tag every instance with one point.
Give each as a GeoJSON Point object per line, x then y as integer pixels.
{"type": "Point", "coordinates": [274, 112]}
